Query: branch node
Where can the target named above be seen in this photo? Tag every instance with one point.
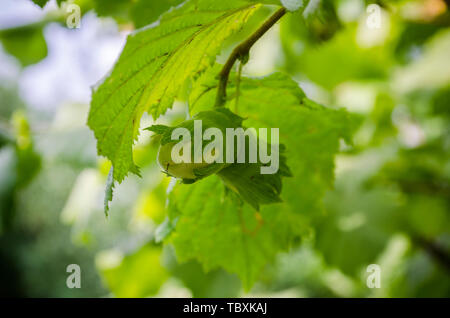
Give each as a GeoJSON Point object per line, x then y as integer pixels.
{"type": "Point", "coordinates": [241, 52]}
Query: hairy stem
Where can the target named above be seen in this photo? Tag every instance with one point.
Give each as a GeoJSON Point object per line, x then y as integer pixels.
{"type": "Point", "coordinates": [241, 51]}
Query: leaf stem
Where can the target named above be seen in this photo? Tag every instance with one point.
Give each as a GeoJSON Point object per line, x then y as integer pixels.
{"type": "Point", "coordinates": [238, 86]}
{"type": "Point", "coordinates": [241, 51]}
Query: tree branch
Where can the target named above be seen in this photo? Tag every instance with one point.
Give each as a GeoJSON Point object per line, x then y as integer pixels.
{"type": "Point", "coordinates": [436, 251]}
{"type": "Point", "coordinates": [242, 51]}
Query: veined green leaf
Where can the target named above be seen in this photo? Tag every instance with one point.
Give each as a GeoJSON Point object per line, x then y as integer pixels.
{"type": "Point", "coordinates": [310, 132]}
{"type": "Point", "coordinates": [222, 231]}
{"type": "Point", "coordinates": [152, 68]}
{"type": "Point", "coordinates": [244, 179]}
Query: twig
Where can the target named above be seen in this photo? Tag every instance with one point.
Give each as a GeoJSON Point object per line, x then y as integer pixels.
{"type": "Point", "coordinates": [238, 86]}
{"type": "Point", "coordinates": [436, 251]}
{"type": "Point", "coordinates": [242, 51]}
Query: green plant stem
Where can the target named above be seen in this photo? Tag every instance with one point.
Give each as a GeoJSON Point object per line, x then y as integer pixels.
{"type": "Point", "coordinates": [240, 52]}
{"type": "Point", "coordinates": [238, 86]}
{"type": "Point", "coordinates": [437, 252]}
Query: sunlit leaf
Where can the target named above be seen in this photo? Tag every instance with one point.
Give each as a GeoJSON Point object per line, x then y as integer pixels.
{"type": "Point", "coordinates": [152, 68]}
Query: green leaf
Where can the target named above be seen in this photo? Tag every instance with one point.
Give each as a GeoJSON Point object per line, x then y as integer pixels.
{"type": "Point", "coordinates": [144, 12]}
{"type": "Point", "coordinates": [310, 132]}
{"type": "Point", "coordinates": [220, 118]}
{"type": "Point", "coordinates": [252, 186]}
{"type": "Point", "coordinates": [244, 179]}
{"type": "Point", "coordinates": [40, 3]}
{"type": "Point", "coordinates": [159, 129]}
{"type": "Point", "coordinates": [348, 60]}
{"type": "Point", "coordinates": [220, 232]}
{"type": "Point", "coordinates": [153, 67]}
{"type": "Point", "coordinates": [137, 275]}
{"type": "Point", "coordinates": [354, 222]}
{"type": "Point", "coordinates": [139, 12]}
{"type": "Point", "coordinates": [26, 43]}
{"type": "Point", "coordinates": [223, 232]}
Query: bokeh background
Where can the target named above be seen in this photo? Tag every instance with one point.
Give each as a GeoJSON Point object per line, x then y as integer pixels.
{"type": "Point", "coordinates": [390, 204]}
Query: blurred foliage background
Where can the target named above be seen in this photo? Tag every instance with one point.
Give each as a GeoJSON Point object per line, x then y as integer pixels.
{"type": "Point", "coordinates": [390, 204]}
